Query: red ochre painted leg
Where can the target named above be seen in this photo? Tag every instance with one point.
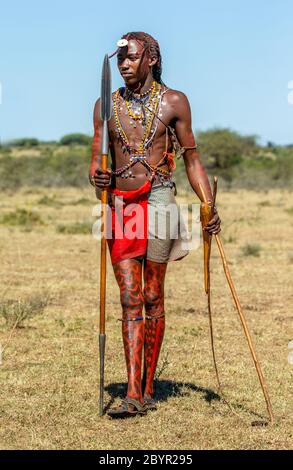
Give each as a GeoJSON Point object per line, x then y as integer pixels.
{"type": "Point", "coordinates": [154, 276]}
{"type": "Point", "coordinates": [128, 275]}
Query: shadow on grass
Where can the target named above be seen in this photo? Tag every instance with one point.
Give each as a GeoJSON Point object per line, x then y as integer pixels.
{"type": "Point", "coordinates": [169, 388]}
{"type": "Point", "coordinates": [163, 390]}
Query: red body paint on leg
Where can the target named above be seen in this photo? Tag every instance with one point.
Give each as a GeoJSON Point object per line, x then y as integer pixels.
{"type": "Point", "coordinates": [128, 275]}
{"type": "Point", "coordinates": [154, 276]}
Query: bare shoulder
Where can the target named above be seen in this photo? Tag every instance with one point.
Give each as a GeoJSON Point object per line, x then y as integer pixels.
{"type": "Point", "coordinates": [97, 112]}
{"type": "Point", "coordinates": [177, 100]}
{"type": "Point", "coordinates": [97, 105]}
{"type": "Point", "coordinates": [176, 97]}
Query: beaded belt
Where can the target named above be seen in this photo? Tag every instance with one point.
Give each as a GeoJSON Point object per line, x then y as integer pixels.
{"type": "Point", "coordinates": [125, 170]}
{"type": "Point", "coordinates": [166, 184]}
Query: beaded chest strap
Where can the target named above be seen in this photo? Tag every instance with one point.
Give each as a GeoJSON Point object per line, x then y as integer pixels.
{"type": "Point", "coordinates": [144, 109]}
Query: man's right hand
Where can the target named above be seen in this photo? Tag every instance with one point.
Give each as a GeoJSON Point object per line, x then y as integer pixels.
{"type": "Point", "coordinates": [102, 178]}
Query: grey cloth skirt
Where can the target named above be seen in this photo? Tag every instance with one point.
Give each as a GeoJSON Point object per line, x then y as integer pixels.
{"type": "Point", "coordinates": [167, 232]}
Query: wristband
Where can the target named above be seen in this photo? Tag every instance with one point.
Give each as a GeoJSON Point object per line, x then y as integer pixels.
{"type": "Point", "coordinates": [210, 203]}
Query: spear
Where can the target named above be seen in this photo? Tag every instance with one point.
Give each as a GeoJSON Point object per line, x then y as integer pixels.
{"type": "Point", "coordinates": [105, 116]}
{"type": "Point", "coordinates": [207, 249]}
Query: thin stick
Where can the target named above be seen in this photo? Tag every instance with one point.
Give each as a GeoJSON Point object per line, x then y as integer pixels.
{"type": "Point", "coordinates": [246, 330]}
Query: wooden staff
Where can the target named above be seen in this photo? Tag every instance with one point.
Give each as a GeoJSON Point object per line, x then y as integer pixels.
{"type": "Point", "coordinates": [238, 307]}
{"type": "Point", "coordinates": [206, 213]}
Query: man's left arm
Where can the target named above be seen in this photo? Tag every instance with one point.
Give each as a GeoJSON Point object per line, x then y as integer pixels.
{"type": "Point", "coordinates": [195, 170]}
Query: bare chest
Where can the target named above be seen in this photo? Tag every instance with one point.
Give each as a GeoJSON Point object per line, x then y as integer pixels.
{"type": "Point", "coordinates": [138, 126]}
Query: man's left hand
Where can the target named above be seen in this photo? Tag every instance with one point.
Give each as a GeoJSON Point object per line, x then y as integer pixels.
{"type": "Point", "coordinates": [213, 227]}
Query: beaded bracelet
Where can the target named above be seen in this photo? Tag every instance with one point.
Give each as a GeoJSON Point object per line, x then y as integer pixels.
{"type": "Point", "coordinates": [210, 203]}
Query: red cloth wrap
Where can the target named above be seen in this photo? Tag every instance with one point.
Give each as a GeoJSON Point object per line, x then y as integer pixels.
{"type": "Point", "coordinates": [124, 244]}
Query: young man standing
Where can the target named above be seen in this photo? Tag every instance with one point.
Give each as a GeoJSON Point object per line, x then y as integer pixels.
{"type": "Point", "coordinates": [149, 124]}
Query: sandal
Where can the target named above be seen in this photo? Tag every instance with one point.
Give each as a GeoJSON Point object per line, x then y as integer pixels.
{"type": "Point", "coordinates": [129, 407]}
{"type": "Point", "coordinates": [150, 404]}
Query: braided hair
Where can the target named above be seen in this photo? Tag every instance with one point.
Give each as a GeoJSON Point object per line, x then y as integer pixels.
{"type": "Point", "coordinates": [153, 49]}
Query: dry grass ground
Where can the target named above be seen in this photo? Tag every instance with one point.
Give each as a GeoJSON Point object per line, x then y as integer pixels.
{"type": "Point", "coordinates": [49, 369]}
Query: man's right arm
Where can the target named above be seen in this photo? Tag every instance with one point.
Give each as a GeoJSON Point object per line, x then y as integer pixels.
{"type": "Point", "coordinates": [101, 179]}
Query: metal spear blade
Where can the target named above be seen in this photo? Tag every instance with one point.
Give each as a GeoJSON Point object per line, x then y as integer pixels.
{"type": "Point", "coordinates": [106, 95]}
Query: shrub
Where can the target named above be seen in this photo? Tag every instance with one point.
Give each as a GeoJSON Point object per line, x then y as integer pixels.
{"type": "Point", "coordinates": [251, 250]}
{"type": "Point", "coordinates": [24, 142]}
{"type": "Point", "coordinates": [21, 217]}
{"type": "Point", "coordinates": [80, 139]}
{"type": "Point", "coordinates": [49, 201]}
{"type": "Point", "coordinates": [84, 228]}
{"type": "Point", "coordinates": [15, 312]}
{"type": "Point", "coordinates": [225, 148]}
{"type": "Point", "coordinates": [69, 168]}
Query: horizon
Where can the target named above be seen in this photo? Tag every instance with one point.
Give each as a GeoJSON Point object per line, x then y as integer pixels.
{"type": "Point", "coordinates": [10, 142]}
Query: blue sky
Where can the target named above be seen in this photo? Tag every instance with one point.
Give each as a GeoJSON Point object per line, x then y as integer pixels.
{"type": "Point", "coordinates": [233, 59]}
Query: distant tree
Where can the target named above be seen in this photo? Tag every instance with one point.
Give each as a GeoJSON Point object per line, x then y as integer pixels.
{"type": "Point", "coordinates": [26, 142]}
{"type": "Point", "coordinates": [225, 147]}
{"type": "Point", "coordinates": [80, 139]}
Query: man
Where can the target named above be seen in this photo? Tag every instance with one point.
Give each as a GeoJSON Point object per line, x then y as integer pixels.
{"type": "Point", "coordinates": [148, 122]}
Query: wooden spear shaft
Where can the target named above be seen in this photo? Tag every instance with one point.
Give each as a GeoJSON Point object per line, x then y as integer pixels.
{"type": "Point", "coordinates": [103, 272]}
{"type": "Point", "coordinates": [106, 103]}
{"type": "Point", "coordinates": [241, 314]}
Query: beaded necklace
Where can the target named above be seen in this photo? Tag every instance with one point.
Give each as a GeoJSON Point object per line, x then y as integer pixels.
{"type": "Point", "coordinates": [154, 101]}
{"type": "Point", "coordinates": [136, 104]}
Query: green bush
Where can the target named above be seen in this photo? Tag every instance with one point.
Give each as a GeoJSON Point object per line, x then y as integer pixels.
{"type": "Point", "coordinates": [21, 217]}
{"type": "Point", "coordinates": [49, 201]}
{"type": "Point", "coordinates": [224, 148]}
{"type": "Point", "coordinates": [251, 249]}
{"type": "Point", "coordinates": [69, 168]}
{"type": "Point", "coordinates": [15, 312]}
{"type": "Point", "coordinates": [76, 139]}
{"type": "Point", "coordinates": [25, 142]}
{"type": "Point", "coordinates": [80, 228]}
